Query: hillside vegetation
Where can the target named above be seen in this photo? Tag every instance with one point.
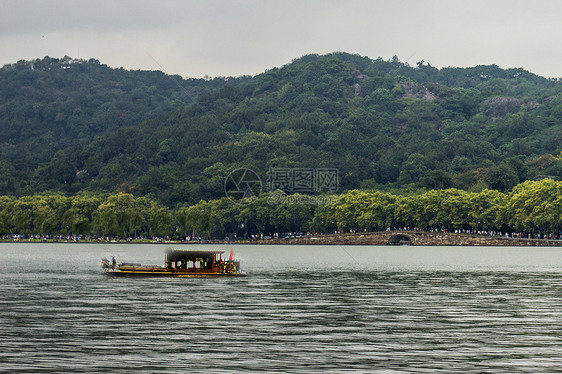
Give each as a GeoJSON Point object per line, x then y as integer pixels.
{"type": "Point", "coordinates": [51, 106]}
{"type": "Point", "coordinates": [69, 126]}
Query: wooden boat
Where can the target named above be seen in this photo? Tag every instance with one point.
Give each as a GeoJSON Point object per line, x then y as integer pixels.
{"type": "Point", "coordinates": [180, 263]}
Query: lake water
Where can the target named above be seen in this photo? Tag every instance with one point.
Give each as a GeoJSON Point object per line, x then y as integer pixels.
{"type": "Point", "coordinates": [301, 309]}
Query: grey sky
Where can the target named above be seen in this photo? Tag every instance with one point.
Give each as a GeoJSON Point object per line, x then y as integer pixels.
{"type": "Point", "coordinates": [235, 37]}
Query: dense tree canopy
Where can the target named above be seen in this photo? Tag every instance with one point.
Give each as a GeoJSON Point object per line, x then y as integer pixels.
{"type": "Point", "coordinates": [530, 207]}
{"type": "Point", "coordinates": [51, 106]}
{"type": "Point", "coordinates": [82, 130]}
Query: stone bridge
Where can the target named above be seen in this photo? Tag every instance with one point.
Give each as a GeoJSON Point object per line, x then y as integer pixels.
{"type": "Point", "coordinates": [405, 238]}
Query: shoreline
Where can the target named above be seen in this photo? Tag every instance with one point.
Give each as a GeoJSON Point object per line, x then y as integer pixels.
{"type": "Point", "coordinates": [414, 238]}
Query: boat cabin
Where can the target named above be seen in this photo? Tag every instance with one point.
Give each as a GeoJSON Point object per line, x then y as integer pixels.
{"type": "Point", "coordinates": [199, 261]}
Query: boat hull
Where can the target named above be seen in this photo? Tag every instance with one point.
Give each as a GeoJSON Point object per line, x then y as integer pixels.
{"type": "Point", "coordinates": [118, 273]}
{"type": "Point", "coordinates": [154, 271]}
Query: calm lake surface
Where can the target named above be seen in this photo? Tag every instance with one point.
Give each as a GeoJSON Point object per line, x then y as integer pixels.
{"type": "Point", "coordinates": [302, 309]}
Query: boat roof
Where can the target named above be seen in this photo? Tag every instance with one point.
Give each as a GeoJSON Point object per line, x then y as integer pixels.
{"type": "Point", "coordinates": [172, 254]}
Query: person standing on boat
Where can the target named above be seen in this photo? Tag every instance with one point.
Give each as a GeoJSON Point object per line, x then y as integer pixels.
{"type": "Point", "coordinates": [105, 263]}
{"type": "Point", "coordinates": [113, 262]}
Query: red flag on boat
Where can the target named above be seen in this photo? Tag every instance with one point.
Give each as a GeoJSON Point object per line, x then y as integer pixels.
{"type": "Point", "coordinates": [231, 254]}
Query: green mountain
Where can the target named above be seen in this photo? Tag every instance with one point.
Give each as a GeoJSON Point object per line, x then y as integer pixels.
{"type": "Point", "coordinates": [71, 125]}
{"type": "Point", "coordinates": [51, 105]}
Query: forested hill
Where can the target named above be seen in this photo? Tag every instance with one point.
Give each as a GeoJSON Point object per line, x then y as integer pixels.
{"type": "Point", "coordinates": [50, 105]}
{"type": "Point", "coordinates": [382, 124]}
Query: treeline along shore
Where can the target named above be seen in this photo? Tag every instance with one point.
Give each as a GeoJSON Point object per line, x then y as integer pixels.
{"type": "Point", "coordinates": [532, 210]}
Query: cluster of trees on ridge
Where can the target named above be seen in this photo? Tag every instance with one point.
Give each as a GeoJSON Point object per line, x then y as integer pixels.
{"type": "Point", "coordinates": [50, 106]}
{"type": "Point", "coordinates": [70, 126]}
{"type": "Point", "coordinates": [530, 207]}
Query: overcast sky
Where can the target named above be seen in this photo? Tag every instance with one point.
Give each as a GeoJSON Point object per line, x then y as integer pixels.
{"type": "Point", "coordinates": [235, 37]}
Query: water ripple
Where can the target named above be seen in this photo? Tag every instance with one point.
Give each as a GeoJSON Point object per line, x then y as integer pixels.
{"type": "Point", "coordinates": [66, 317]}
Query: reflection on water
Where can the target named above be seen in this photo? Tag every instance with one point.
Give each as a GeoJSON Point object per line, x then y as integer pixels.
{"type": "Point", "coordinates": [301, 309]}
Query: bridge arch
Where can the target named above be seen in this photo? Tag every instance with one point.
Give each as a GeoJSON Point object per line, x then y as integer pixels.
{"type": "Point", "coordinates": [399, 239]}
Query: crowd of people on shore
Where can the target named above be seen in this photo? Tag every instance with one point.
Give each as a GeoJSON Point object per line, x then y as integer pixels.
{"type": "Point", "coordinates": [196, 238]}
{"type": "Point", "coordinates": [490, 233]}
{"type": "Point", "coordinates": [78, 238]}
